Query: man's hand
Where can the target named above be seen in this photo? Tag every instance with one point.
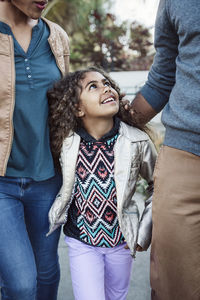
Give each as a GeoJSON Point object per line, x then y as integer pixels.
{"type": "Point", "coordinates": [138, 112]}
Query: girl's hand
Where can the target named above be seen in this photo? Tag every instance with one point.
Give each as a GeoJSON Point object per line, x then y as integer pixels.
{"type": "Point", "coordinates": [139, 248]}
{"type": "Point", "coordinates": [126, 247]}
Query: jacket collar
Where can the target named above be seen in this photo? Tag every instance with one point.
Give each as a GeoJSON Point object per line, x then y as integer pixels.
{"type": "Point", "coordinates": [88, 138]}
{"type": "Point", "coordinates": [53, 29]}
{"type": "Point", "coordinates": [132, 133]}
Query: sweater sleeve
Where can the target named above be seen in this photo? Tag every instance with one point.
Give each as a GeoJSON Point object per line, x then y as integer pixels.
{"type": "Point", "coordinates": [161, 77]}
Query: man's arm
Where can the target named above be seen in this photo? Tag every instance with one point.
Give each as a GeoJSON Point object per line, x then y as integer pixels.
{"type": "Point", "coordinates": [154, 95]}
{"type": "Point", "coordinates": [141, 111]}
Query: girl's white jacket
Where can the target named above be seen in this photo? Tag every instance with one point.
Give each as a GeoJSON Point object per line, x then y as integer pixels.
{"type": "Point", "coordinates": [134, 155]}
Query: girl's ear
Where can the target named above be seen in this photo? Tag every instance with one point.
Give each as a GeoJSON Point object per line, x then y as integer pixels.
{"type": "Point", "coordinates": [80, 113]}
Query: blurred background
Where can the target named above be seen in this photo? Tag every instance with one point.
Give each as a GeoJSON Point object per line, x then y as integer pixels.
{"type": "Point", "coordinates": [116, 35]}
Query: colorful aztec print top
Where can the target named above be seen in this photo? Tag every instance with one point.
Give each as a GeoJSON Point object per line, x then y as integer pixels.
{"type": "Point", "coordinates": [92, 216]}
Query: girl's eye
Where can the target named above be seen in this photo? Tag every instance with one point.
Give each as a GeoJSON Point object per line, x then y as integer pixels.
{"type": "Point", "coordinates": [92, 86]}
{"type": "Point", "coordinates": [107, 83]}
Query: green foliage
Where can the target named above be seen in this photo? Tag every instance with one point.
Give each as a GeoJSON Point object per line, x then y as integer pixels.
{"type": "Point", "coordinates": [139, 39]}
{"type": "Point", "coordinates": [97, 39]}
{"type": "Point", "coordinates": [100, 44]}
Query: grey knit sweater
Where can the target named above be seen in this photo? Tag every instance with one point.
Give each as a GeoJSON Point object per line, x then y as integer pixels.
{"type": "Point", "coordinates": [174, 79]}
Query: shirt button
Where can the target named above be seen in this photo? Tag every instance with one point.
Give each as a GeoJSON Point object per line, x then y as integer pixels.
{"type": "Point", "coordinates": [29, 76]}
{"type": "Point", "coordinates": [27, 68]}
{"type": "Point", "coordinates": [26, 59]}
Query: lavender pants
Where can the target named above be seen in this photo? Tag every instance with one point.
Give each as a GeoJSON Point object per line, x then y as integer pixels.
{"type": "Point", "coordinates": [99, 273]}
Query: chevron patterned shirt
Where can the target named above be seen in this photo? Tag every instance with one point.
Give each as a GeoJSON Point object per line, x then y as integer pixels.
{"type": "Point", "coordinates": [92, 216]}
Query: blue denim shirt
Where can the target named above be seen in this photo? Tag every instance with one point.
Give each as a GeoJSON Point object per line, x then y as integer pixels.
{"type": "Point", "coordinates": [35, 70]}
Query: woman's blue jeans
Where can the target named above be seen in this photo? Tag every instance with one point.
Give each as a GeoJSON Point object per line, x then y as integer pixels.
{"type": "Point", "coordinates": [29, 267]}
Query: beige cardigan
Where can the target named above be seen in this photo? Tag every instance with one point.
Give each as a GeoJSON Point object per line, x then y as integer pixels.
{"type": "Point", "coordinates": [58, 41]}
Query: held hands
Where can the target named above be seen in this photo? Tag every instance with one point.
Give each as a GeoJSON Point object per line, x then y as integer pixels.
{"type": "Point", "coordinates": [138, 248]}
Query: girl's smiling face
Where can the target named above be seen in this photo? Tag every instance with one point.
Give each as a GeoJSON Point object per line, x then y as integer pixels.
{"type": "Point", "coordinates": [98, 100]}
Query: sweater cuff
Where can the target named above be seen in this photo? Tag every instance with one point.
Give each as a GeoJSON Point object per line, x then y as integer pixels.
{"type": "Point", "coordinates": [156, 99]}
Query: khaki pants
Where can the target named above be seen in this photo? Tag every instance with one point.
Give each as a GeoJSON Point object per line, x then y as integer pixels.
{"type": "Point", "coordinates": [175, 252]}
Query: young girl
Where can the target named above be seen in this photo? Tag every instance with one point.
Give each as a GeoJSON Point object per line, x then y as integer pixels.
{"type": "Point", "coordinates": [101, 159]}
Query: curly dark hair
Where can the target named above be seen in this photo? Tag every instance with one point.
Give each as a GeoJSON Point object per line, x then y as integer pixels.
{"type": "Point", "coordinates": [64, 100]}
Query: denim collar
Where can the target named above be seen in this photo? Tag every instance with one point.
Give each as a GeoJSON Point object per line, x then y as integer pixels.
{"type": "Point", "coordinates": [6, 28]}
